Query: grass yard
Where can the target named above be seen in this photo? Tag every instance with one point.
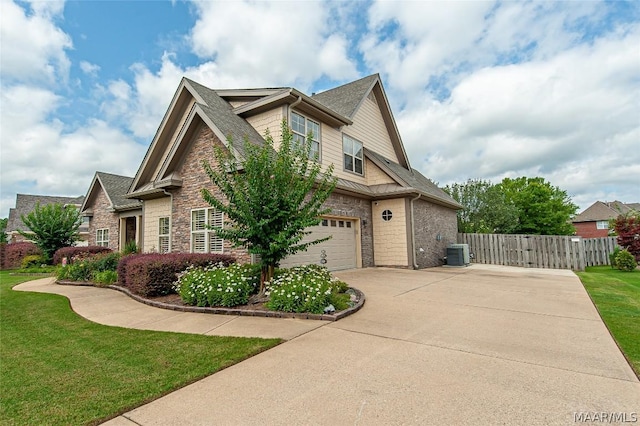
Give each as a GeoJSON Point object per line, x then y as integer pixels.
{"type": "Point", "coordinates": [57, 368]}
{"type": "Point", "coordinates": [616, 294]}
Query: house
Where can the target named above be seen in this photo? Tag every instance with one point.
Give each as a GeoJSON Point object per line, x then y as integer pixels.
{"type": "Point", "coordinates": [383, 212]}
{"type": "Point", "coordinates": [26, 203]}
{"type": "Point", "coordinates": [114, 220]}
{"type": "Point", "coordinates": [594, 221]}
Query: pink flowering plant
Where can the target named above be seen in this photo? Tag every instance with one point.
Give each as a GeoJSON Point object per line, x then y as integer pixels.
{"type": "Point", "coordinates": [308, 288]}
{"type": "Point", "coordinates": [218, 285]}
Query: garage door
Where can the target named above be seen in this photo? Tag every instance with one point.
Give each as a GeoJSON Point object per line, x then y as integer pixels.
{"type": "Point", "coordinates": [339, 252]}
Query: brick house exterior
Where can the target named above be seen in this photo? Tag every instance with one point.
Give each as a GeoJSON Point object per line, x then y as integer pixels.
{"type": "Point", "coordinates": [383, 212]}
{"type": "Point", "coordinates": [593, 222]}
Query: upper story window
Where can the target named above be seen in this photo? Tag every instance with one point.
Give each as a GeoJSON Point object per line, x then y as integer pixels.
{"type": "Point", "coordinates": [203, 237]}
{"type": "Point", "coordinates": [353, 154]}
{"type": "Point", "coordinates": [303, 126]}
{"type": "Point", "coordinates": [602, 224]}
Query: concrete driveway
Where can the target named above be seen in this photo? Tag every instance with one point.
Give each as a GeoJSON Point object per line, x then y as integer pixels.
{"type": "Point", "coordinates": [478, 345]}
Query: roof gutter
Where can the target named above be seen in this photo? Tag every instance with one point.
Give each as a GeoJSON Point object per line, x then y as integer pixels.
{"type": "Point", "coordinates": [413, 233]}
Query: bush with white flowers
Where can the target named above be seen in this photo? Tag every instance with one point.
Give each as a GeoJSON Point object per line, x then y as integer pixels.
{"type": "Point", "coordinates": [305, 289]}
{"type": "Point", "coordinates": [218, 285]}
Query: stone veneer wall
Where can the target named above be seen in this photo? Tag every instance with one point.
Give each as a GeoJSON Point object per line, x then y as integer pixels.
{"type": "Point", "coordinates": [188, 197]}
{"type": "Point", "coordinates": [103, 218]}
{"type": "Point", "coordinates": [430, 220]}
{"type": "Point", "coordinates": [194, 178]}
{"type": "Point", "coordinates": [349, 206]}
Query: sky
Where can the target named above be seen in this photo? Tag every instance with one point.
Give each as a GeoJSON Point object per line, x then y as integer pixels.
{"type": "Point", "coordinates": [478, 89]}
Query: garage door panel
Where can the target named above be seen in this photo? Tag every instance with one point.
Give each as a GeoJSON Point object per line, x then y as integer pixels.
{"type": "Point", "coordinates": [339, 251]}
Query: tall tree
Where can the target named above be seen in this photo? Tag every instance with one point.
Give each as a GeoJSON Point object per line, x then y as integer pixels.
{"type": "Point", "coordinates": [486, 209]}
{"type": "Point", "coordinates": [3, 230]}
{"type": "Point", "coordinates": [52, 227]}
{"type": "Point", "coordinates": [542, 208]}
{"type": "Point", "coordinates": [272, 197]}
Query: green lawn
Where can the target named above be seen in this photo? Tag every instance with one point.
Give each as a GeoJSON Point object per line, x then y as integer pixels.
{"type": "Point", "coordinates": [617, 297]}
{"type": "Point", "coordinates": [57, 368]}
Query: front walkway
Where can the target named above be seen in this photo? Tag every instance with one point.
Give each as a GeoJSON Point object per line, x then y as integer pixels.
{"type": "Point", "coordinates": [478, 345]}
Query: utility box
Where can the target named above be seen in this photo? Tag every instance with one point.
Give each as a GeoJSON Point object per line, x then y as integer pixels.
{"type": "Point", "coordinates": [458, 255]}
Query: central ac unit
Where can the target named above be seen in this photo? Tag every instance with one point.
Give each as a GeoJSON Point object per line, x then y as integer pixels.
{"type": "Point", "coordinates": [458, 255]}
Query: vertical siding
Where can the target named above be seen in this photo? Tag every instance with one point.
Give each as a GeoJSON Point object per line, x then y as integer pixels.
{"type": "Point", "coordinates": [369, 128]}
{"type": "Point", "coordinates": [390, 237]}
{"type": "Point", "coordinates": [154, 210]}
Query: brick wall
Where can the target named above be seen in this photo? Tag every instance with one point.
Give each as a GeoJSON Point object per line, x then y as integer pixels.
{"type": "Point", "coordinates": [589, 230]}
{"type": "Point", "coordinates": [348, 206]}
{"type": "Point", "coordinates": [430, 220]}
{"type": "Point", "coordinates": [104, 219]}
{"type": "Point", "coordinates": [188, 197]}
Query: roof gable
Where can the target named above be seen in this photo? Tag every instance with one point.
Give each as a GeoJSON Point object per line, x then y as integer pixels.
{"type": "Point", "coordinates": [115, 188]}
{"type": "Point", "coordinates": [603, 211]}
{"type": "Point", "coordinates": [348, 99]}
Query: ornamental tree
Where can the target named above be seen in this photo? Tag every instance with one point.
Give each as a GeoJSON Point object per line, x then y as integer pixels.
{"type": "Point", "coordinates": [52, 227]}
{"type": "Point", "coordinates": [627, 228]}
{"type": "Point", "coordinates": [271, 197]}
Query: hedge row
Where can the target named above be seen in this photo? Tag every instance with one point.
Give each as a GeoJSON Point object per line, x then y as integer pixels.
{"type": "Point", "coordinates": [154, 274]}
{"type": "Point", "coordinates": [11, 255]}
{"type": "Point", "coordinates": [71, 252]}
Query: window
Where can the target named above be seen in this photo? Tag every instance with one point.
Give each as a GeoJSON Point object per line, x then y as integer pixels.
{"type": "Point", "coordinates": [102, 237]}
{"type": "Point", "coordinates": [387, 215]}
{"type": "Point", "coordinates": [203, 237]}
{"type": "Point", "coordinates": [163, 235]}
{"type": "Point", "coordinates": [302, 127]}
{"type": "Point", "coordinates": [352, 154]}
{"type": "Point", "coordinates": [602, 224]}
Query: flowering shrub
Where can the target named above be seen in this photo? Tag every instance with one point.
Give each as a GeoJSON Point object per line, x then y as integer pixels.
{"type": "Point", "coordinates": [308, 288]}
{"type": "Point", "coordinates": [218, 285]}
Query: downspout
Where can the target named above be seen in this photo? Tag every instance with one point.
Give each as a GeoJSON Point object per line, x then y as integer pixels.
{"type": "Point", "coordinates": [293, 105]}
{"type": "Point", "coordinates": [413, 233]}
{"type": "Point", "coordinates": [164, 191]}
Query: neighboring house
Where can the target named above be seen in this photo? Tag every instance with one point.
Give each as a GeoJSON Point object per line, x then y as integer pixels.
{"type": "Point", "coordinates": [25, 204]}
{"type": "Point", "coordinates": [113, 219]}
{"type": "Point", "coordinates": [383, 212]}
{"type": "Point", "coordinates": [594, 221]}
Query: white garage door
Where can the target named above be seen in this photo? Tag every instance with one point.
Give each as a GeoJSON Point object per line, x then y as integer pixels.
{"type": "Point", "coordinates": [339, 252]}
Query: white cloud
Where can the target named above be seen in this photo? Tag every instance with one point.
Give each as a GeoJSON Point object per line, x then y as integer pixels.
{"type": "Point", "coordinates": [89, 68]}
{"type": "Point", "coordinates": [572, 117]}
{"type": "Point", "coordinates": [33, 47]}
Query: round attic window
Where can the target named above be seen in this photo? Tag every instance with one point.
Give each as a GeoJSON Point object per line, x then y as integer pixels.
{"type": "Point", "coordinates": [387, 215]}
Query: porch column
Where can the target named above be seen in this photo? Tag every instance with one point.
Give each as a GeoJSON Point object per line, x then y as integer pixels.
{"type": "Point", "coordinates": [122, 237]}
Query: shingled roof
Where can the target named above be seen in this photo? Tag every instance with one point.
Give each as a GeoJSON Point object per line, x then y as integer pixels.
{"type": "Point", "coordinates": [604, 211]}
{"type": "Point", "coordinates": [221, 113]}
{"type": "Point", "coordinates": [345, 99]}
{"type": "Point", "coordinates": [115, 187]}
{"type": "Point", "coordinates": [26, 203]}
{"type": "Point", "coordinates": [412, 179]}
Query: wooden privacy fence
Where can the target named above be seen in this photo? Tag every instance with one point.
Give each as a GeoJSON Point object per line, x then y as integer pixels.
{"type": "Point", "coordinates": [539, 251]}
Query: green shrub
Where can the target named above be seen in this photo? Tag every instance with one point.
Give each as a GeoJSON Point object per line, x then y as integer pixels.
{"type": "Point", "coordinates": [130, 248]}
{"type": "Point", "coordinates": [86, 270]}
{"type": "Point", "coordinates": [105, 277]}
{"type": "Point", "coordinates": [32, 261]}
{"type": "Point", "coordinates": [218, 285]}
{"type": "Point", "coordinates": [612, 256]}
{"type": "Point", "coordinates": [625, 261]}
{"type": "Point", "coordinates": [305, 289]}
